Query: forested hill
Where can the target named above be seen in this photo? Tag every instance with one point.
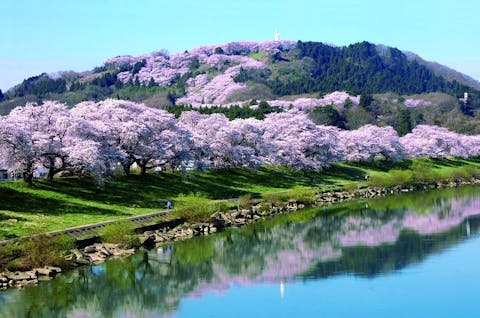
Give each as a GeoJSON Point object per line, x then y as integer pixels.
{"type": "Point", "coordinates": [243, 71]}
{"type": "Point", "coordinates": [357, 68]}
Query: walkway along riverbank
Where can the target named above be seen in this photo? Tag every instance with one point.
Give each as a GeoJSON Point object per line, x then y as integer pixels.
{"type": "Point", "coordinates": [92, 251]}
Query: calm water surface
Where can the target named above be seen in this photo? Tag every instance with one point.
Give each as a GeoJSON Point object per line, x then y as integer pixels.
{"type": "Point", "coordinates": [415, 255]}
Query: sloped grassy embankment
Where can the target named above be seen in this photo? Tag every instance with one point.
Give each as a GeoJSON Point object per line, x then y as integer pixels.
{"type": "Point", "coordinates": [71, 202]}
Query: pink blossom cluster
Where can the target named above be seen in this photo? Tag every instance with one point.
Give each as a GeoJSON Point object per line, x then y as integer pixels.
{"type": "Point", "coordinates": [297, 142]}
{"type": "Point", "coordinates": [217, 91]}
{"type": "Point", "coordinates": [411, 102]}
{"type": "Point", "coordinates": [439, 142]}
{"type": "Point", "coordinates": [307, 104]}
{"type": "Point", "coordinates": [163, 69]}
{"type": "Point", "coordinates": [220, 88]}
{"type": "Point", "coordinates": [369, 141]}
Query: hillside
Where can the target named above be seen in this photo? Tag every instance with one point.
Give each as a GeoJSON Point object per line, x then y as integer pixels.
{"type": "Point", "coordinates": [445, 71]}
{"type": "Point", "coordinates": [283, 73]}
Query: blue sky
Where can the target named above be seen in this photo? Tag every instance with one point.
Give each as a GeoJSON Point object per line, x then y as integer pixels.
{"type": "Point", "coordinates": [51, 35]}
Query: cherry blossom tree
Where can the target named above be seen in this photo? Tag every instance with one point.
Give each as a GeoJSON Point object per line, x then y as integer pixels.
{"type": "Point", "coordinates": [369, 141]}
{"type": "Point", "coordinates": [472, 144]}
{"type": "Point", "coordinates": [223, 143]}
{"type": "Point", "coordinates": [299, 143]}
{"type": "Point", "coordinates": [200, 150]}
{"type": "Point", "coordinates": [46, 135]}
{"type": "Point", "coordinates": [135, 133]}
{"type": "Point", "coordinates": [16, 149]}
{"type": "Point", "coordinates": [433, 142]}
{"type": "Point", "coordinates": [52, 132]}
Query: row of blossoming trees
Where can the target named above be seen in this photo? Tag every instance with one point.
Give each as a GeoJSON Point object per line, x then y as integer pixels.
{"type": "Point", "coordinates": [97, 139]}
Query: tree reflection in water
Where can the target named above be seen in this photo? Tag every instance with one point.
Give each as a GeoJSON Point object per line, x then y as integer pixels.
{"type": "Point", "coordinates": [389, 235]}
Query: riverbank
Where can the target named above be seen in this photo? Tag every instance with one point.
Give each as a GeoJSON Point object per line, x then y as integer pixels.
{"type": "Point", "coordinates": [166, 233]}
{"type": "Point", "coordinates": [70, 202]}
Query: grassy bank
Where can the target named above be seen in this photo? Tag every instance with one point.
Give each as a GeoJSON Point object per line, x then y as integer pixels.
{"type": "Point", "coordinates": [69, 202]}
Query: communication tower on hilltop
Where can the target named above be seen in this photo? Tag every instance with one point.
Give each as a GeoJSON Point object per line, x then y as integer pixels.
{"type": "Point", "coordinates": [276, 36]}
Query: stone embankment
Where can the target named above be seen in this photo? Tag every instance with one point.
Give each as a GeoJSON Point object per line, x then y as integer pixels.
{"type": "Point", "coordinates": [218, 221]}
{"type": "Point", "coordinates": [373, 192]}
{"type": "Point", "coordinates": [21, 279]}
{"type": "Point", "coordinates": [100, 252]}
{"type": "Point", "coordinates": [90, 255]}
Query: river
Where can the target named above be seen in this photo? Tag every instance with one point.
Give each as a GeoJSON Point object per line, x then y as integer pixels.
{"type": "Point", "coordinates": [413, 255]}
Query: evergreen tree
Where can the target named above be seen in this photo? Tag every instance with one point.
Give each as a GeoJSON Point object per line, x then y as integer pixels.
{"type": "Point", "coordinates": [366, 100]}
{"type": "Point", "coordinates": [118, 84]}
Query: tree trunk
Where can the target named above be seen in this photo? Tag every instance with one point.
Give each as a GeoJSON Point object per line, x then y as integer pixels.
{"type": "Point", "coordinates": [126, 169]}
{"type": "Point", "coordinates": [28, 178]}
{"type": "Point", "coordinates": [51, 169]}
{"type": "Point", "coordinates": [143, 170]}
{"type": "Point", "coordinates": [51, 173]}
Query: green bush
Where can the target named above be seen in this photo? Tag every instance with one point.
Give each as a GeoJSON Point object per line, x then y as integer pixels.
{"type": "Point", "coordinates": [245, 201]}
{"type": "Point", "coordinates": [350, 187]}
{"type": "Point", "coordinates": [265, 207]}
{"type": "Point", "coordinates": [302, 194]}
{"type": "Point", "coordinates": [298, 193]}
{"type": "Point", "coordinates": [376, 180]}
{"type": "Point", "coordinates": [422, 171]}
{"type": "Point", "coordinates": [196, 207]}
{"type": "Point", "coordinates": [276, 198]}
{"type": "Point", "coordinates": [392, 178]}
{"type": "Point", "coordinates": [400, 177]}
{"type": "Point", "coordinates": [473, 172]}
{"type": "Point", "coordinates": [122, 233]}
{"type": "Point", "coordinates": [461, 174]}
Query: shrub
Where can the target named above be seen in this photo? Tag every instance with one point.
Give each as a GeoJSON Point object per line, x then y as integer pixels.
{"type": "Point", "coordinates": [245, 201]}
{"type": "Point", "coordinates": [392, 178]}
{"type": "Point", "coordinates": [298, 193]}
{"type": "Point", "coordinates": [276, 198]}
{"type": "Point", "coordinates": [379, 180]}
{"type": "Point", "coordinates": [465, 173]}
{"type": "Point", "coordinates": [422, 171]}
{"type": "Point", "coordinates": [302, 194]}
{"type": "Point", "coordinates": [474, 172]}
{"type": "Point", "coordinates": [122, 233]}
{"type": "Point", "coordinates": [400, 177]}
{"type": "Point", "coordinates": [265, 207]}
{"type": "Point", "coordinates": [350, 187]}
{"type": "Point", "coordinates": [37, 251]}
{"type": "Point", "coordinates": [195, 207]}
